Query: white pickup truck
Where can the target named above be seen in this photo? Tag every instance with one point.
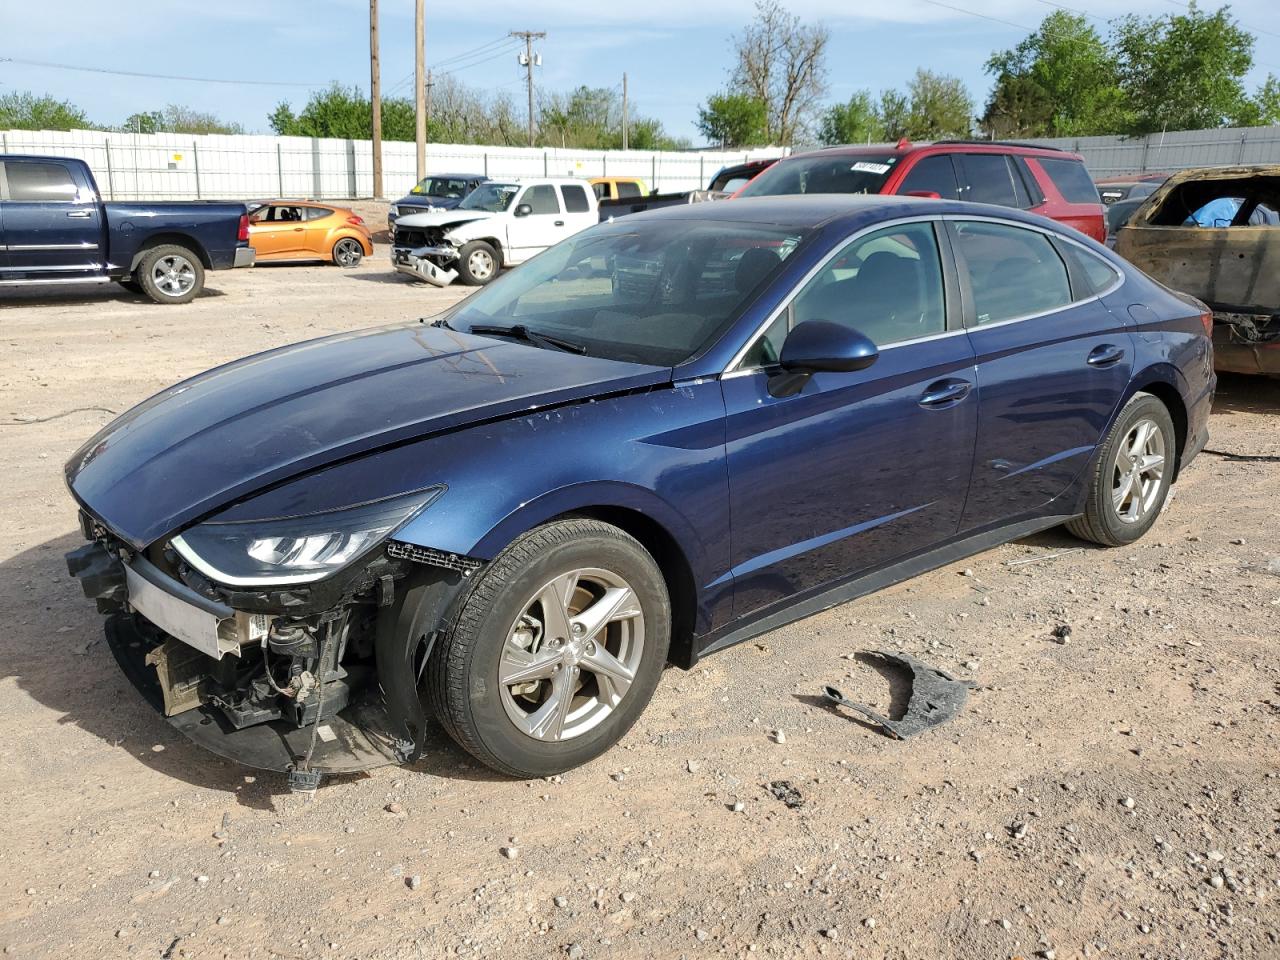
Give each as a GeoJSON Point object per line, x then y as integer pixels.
{"type": "Point", "coordinates": [499, 224]}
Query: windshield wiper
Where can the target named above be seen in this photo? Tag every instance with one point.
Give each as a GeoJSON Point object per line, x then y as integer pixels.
{"type": "Point", "coordinates": [520, 332]}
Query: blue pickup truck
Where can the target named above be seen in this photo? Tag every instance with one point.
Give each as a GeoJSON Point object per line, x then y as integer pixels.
{"type": "Point", "coordinates": [55, 228]}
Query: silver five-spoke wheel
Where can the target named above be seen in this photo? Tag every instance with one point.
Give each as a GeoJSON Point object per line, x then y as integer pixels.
{"type": "Point", "coordinates": [1137, 471]}
{"type": "Point", "coordinates": [571, 655]}
{"type": "Point", "coordinates": [173, 275]}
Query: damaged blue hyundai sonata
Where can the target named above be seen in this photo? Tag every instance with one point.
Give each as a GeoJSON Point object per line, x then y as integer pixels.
{"type": "Point", "coordinates": [663, 436]}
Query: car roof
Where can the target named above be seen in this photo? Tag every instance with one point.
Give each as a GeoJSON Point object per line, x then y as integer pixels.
{"type": "Point", "coordinates": [819, 210]}
{"type": "Point", "coordinates": [905, 148]}
{"type": "Point", "coordinates": [455, 176]}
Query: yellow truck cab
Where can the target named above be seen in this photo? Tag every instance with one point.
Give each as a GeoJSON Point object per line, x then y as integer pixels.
{"type": "Point", "coordinates": [617, 188]}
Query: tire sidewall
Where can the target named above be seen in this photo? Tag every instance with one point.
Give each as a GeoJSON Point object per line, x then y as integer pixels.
{"type": "Point", "coordinates": [464, 268]}
{"type": "Point", "coordinates": [1142, 407]}
{"type": "Point", "coordinates": [359, 252]}
{"type": "Point", "coordinates": [489, 718]}
{"type": "Point", "coordinates": [148, 285]}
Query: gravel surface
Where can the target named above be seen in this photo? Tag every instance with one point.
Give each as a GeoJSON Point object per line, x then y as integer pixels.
{"type": "Point", "coordinates": [1109, 790]}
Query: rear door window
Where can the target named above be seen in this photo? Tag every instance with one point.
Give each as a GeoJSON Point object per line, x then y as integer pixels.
{"type": "Point", "coordinates": [33, 181]}
{"type": "Point", "coordinates": [934, 174]}
{"type": "Point", "coordinates": [1012, 272]}
{"type": "Point", "coordinates": [575, 198]}
{"type": "Point", "coordinates": [1071, 179]}
{"type": "Point", "coordinates": [988, 178]}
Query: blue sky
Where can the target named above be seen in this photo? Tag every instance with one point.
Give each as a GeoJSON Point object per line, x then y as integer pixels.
{"type": "Point", "coordinates": [674, 53]}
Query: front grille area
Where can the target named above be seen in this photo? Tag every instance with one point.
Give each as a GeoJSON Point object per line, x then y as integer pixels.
{"type": "Point", "coordinates": [418, 237]}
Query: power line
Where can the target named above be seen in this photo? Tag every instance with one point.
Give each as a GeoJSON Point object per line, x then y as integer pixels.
{"type": "Point", "coordinates": [156, 76]}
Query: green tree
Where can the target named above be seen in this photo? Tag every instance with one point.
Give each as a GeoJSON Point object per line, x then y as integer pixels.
{"type": "Point", "coordinates": [344, 113]}
{"type": "Point", "coordinates": [178, 119]}
{"type": "Point", "coordinates": [1267, 102]}
{"type": "Point", "coordinates": [940, 107]}
{"type": "Point", "coordinates": [734, 120]}
{"type": "Point", "coordinates": [1184, 71]}
{"type": "Point", "coordinates": [1060, 81]}
{"type": "Point", "coordinates": [856, 121]}
{"type": "Point", "coordinates": [895, 114]}
{"type": "Point", "coordinates": [23, 110]}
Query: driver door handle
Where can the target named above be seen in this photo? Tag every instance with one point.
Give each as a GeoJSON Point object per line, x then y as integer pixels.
{"type": "Point", "coordinates": [1105, 355]}
{"type": "Point", "coordinates": [945, 393]}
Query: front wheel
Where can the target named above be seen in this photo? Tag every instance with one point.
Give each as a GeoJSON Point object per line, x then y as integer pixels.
{"type": "Point", "coordinates": [170, 274]}
{"type": "Point", "coordinates": [1130, 480]}
{"type": "Point", "coordinates": [556, 651]}
{"type": "Point", "coordinates": [348, 252]}
{"type": "Point", "coordinates": [478, 263]}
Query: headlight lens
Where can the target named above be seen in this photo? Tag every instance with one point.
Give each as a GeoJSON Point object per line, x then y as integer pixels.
{"type": "Point", "coordinates": [295, 549]}
{"type": "Point", "coordinates": [395, 211]}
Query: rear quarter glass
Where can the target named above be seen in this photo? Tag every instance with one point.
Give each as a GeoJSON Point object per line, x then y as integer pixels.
{"type": "Point", "coordinates": [1071, 178]}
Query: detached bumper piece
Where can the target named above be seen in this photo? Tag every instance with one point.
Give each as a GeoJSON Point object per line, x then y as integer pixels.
{"type": "Point", "coordinates": [426, 263]}
{"type": "Point", "coordinates": [936, 697]}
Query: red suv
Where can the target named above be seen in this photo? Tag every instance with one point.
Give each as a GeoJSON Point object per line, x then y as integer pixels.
{"type": "Point", "coordinates": [1043, 180]}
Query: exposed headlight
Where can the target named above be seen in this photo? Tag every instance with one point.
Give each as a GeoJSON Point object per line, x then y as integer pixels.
{"type": "Point", "coordinates": [295, 549]}
{"type": "Point", "coordinates": [395, 211]}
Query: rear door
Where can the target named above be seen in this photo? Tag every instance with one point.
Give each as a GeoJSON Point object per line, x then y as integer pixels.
{"type": "Point", "coordinates": [52, 223]}
{"type": "Point", "coordinates": [578, 212]}
{"type": "Point", "coordinates": [995, 178]}
{"type": "Point", "coordinates": [1053, 364]}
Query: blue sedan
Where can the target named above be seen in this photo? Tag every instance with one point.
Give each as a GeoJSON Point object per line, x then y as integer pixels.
{"type": "Point", "coordinates": [663, 436]}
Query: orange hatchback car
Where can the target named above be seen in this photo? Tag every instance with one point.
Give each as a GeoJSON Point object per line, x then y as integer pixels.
{"type": "Point", "coordinates": [297, 230]}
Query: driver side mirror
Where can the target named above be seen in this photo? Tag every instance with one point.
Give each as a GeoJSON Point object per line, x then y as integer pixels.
{"type": "Point", "coordinates": [815, 346]}
{"type": "Point", "coordinates": [523, 210]}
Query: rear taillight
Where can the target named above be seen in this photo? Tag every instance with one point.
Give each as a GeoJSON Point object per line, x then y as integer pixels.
{"type": "Point", "coordinates": [243, 235]}
{"type": "Point", "coordinates": [1207, 319]}
{"type": "Point", "coordinates": [355, 219]}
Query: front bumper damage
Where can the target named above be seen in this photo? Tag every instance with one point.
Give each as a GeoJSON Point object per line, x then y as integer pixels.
{"type": "Point", "coordinates": [427, 263]}
{"type": "Point", "coordinates": [307, 681]}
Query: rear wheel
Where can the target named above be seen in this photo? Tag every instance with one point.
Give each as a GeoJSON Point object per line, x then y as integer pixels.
{"type": "Point", "coordinates": [556, 651]}
{"type": "Point", "coordinates": [170, 274]}
{"type": "Point", "coordinates": [348, 252]}
{"type": "Point", "coordinates": [478, 263]}
{"type": "Point", "coordinates": [1130, 481]}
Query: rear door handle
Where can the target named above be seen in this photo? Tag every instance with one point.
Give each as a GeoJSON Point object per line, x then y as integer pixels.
{"type": "Point", "coordinates": [80, 214]}
{"type": "Point", "coordinates": [944, 393]}
{"type": "Point", "coordinates": [559, 223]}
{"type": "Point", "coordinates": [1105, 355]}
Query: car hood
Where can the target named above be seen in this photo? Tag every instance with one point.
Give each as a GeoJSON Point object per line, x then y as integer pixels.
{"type": "Point", "coordinates": [442, 218]}
{"type": "Point", "coordinates": [438, 203]}
{"type": "Point", "coordinates": [231, 432]}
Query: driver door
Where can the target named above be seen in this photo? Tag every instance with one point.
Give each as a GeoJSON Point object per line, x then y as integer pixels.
{"type": "Point", "coordinates": [856, 469]}
{"type": "Point", "coordinates": [278, 233]}
{"type": "Point", "coordinates": [542, 227]}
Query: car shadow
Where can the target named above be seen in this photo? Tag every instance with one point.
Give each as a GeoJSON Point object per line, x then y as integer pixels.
{"type": "Point", "coordinates": [1245, 393]}
{"type": "Point", "coordinates": [53, 648]}
{"type": "Point", "coordinates": [56, 295]}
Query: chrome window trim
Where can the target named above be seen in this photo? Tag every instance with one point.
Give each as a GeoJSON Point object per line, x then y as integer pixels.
{"type": "Point", "coordinates": [732, 367]}
{"type": "Point", "coordinates": [1052, 234]}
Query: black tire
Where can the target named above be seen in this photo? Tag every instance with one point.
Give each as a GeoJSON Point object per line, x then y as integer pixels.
{"type": "Point", "coordinates": [1101, 521]}
{"type": "Point", "coordinates": [461, 683]}
{"type": "Point", "coordinates": [471, 273]}
{"type": "Point", "coordinates": [188, 270]}
{"type": "Point", "coordinates": [348, 252]}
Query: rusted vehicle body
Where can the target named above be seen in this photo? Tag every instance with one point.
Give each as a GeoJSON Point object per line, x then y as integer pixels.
{"type": "Point", "coordinates": [1214, 232]}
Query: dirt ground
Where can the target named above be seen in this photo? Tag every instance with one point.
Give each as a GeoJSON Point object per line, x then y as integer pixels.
{"type": "Point", "coordinates": [1116, 795]}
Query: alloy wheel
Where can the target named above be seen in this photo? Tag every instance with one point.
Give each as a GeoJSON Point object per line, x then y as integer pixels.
{"type": "Point", "coordinates": [173, 275]}
{"type": "Point", "coordinates": [1138, 471]}
{"type": "Point", "coordinates": [347, 253]}
{"type": "Point", "coordinates": [480, 263]}
{"type": "Point", "coordinates": [571, 655]}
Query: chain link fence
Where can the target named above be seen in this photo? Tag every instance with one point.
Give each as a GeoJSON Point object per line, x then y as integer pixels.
{"type": "Point", "coordinates": [176, 167]}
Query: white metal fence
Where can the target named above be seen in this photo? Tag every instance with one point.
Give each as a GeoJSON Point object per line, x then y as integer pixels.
{"type": "Point", "coordinates": [177, 167]}
{"type": "Point", "coordinates": [1167, 152]}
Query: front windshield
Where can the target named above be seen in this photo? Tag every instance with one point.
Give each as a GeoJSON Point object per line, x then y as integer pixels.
{"type": "Point", "coordinates": [827, 173]}
{"type": "Point", "coordinates": [653, 292]}
{"type": "Point", "coordinates": [494, 197]}
{"type": "Point", "coordinates": [449, 189]}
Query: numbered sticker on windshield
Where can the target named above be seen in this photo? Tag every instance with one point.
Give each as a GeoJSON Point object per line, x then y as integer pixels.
{"type": "Point", "coordinates": [863, 166]}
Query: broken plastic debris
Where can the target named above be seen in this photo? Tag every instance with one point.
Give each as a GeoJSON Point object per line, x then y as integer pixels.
{"type": "Point", "coordinates": [936, 697]}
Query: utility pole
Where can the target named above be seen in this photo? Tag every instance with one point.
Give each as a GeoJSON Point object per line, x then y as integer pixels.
{"type": "Point", "coordinates": [420, 85]}
{"type": "Point", "coordinates": [624, 111]}
{"type": "Point", "coordinates": [375, 94]}
{"type": "Point", "coordinates": [527, 61]}
{"type": "Point", "coordinates": [430, 83]}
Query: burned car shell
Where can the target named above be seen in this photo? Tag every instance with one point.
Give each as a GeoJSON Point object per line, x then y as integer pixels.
{"type": "Point", "coordinates": [1235, 269]}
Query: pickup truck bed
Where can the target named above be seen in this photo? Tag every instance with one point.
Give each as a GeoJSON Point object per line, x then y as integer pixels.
{"type": "Point", "coordinates": [54, 228]}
